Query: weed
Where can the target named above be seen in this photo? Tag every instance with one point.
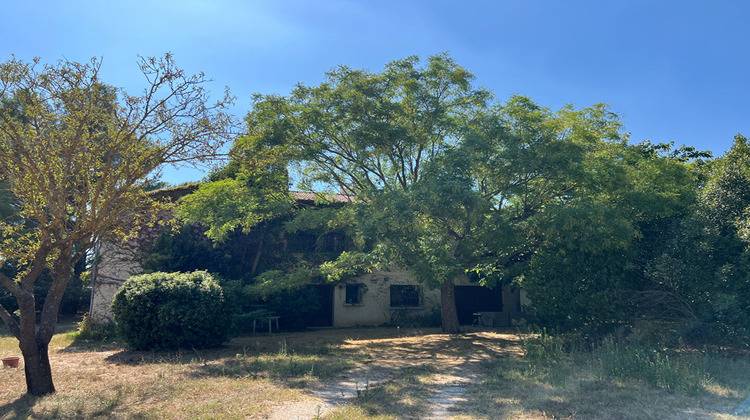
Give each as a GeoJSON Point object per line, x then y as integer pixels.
{"type": "Point", "coordinates": [656, 367]}
{"type": "Point", "coordinates": [318, 413]}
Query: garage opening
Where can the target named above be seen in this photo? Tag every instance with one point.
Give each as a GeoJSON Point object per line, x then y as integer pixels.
{"type": "Point", "coordinates": [473, 299]}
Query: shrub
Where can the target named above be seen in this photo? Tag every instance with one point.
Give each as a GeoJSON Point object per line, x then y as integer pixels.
{"type": "Point", "coordinates": [89, 330]}
{"type": "Point", "coordinates": [171, 310]}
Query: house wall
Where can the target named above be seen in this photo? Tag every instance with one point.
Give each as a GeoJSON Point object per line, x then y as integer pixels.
{"type": "Point", "coordinates": [374, 308]}
{"type": "Point", "coordinates": [116, 263]}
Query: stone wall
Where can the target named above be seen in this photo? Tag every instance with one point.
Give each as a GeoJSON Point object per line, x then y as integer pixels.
{"type": "Point", "coordinates": [116, 263]}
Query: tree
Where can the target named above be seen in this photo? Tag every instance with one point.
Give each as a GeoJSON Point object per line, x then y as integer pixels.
{"type": "Point", "coordinates": [444, 183]}
{"type": "Point", "coordinates": [700, 275]}
{"type": "Point", "coordinates": [360, 132]}
{"type": "Point", "coordinates": [590, 273]}
{"type": "Point", "coordinates": [476, 208]}
{"type": "Point", "coordinates": [727, 191]}
{"type": "Point", "coordinates": [76, 154]}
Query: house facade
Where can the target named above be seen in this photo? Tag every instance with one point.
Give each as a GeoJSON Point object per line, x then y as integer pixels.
{"type": "Point", "coordinates": [372, 299]}
{"type": "Point", "coordinates": [384, 297]}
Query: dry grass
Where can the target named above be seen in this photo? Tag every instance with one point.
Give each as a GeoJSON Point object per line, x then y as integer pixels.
{"type": "Point", "coordinates": [247, 378]}
{"type": "Point", "coordinates": [254, 376]}
{"type": "Point", "coordinates": [577, 385]}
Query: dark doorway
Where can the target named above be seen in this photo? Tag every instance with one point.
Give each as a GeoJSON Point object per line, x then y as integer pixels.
{"type": "Point", "coordinates": [323, 316]}
{"type": "Point", "coordinates": [472, 299]}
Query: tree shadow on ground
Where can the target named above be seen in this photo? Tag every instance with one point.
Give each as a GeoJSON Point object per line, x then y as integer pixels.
{"type": "Point", "coordinates": [294, 355]}
{"type": "Point", "coordinates": [313, 342]}
{"type": "Point", "coordinates": [64, 407]}
{"type": "Point", "coordinates": [20, 408]}
{"type": "Point", "coordinates": [375, 370]}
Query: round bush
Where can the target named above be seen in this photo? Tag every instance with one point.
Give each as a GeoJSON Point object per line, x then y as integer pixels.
{"type": "Point", "coordinates": [171, 310]}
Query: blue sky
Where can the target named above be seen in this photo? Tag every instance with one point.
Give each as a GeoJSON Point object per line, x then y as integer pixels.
{"type": "Point", "coordinates": [675, 70]}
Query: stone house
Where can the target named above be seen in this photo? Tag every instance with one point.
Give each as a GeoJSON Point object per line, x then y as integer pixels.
{"type": "Point", "coordinates": [372, 299]}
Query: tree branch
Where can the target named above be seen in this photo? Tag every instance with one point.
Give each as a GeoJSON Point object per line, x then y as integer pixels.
{"type": "Point", "coordinates": [10, 284]}
{"type": "Point", "coordinates": [13, 326]}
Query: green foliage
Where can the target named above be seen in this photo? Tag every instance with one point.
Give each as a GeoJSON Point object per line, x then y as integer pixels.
{"type": "Point", "coordinates": [364, 131]}
{"type": "Point", "coordinates": [279, 288]}
{"type": "Point", "coordinates": [184, 249]}
{"type": "Point", "coordinates": [171, 310]}
{"type": "Point", "coordinates": [598, 242]}
{"type": "Point", "coordinates": [229, 203]}
{"type": "Point", "coordinates": [655, 367]}
{"type": "Point", "coordinates": [699, 277]}
{"type": "Point", "coordinates": [90, 330]}
{"type": "Point", "coordinates": [348, 265]}
{"type": "Point", "coordinates": [727, 191]}
{"type": "Point", "coordinates": [274, 281]}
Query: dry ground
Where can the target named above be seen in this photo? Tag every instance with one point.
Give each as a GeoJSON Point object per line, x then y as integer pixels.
{"type": "Point", "coordinates": [343, 374]}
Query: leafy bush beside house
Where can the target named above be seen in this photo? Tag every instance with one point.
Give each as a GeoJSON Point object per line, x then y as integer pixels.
{"type": "Point", "coordinates": [171, 310]}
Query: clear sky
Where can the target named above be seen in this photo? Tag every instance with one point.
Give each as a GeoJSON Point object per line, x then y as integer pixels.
{"type": "Point", "coordinates": [675, 70]}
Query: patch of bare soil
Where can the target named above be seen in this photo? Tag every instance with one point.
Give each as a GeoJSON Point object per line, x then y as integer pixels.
{"type": "Point", "coordinates": [457, 360]}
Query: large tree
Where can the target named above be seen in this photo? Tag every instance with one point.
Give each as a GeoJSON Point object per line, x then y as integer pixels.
{"type": "Point", "coordinates": [443, 182]}
{"type": "Point", "coordinates": [476, 207]}
{"type": "Point", "coordinates": [76, 155]}
{"type": "Point", "coordinates": [359, 132]}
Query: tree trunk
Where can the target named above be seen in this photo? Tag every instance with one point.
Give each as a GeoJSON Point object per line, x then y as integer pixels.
{"type": "Point", "coordinates": [33, 341]}
{"type": "Point", "coordinates": [448, 311]}
{"type": "Point", "coordinates": [38, 370]}
{"type": "Point", "coordinates": [257, 256]}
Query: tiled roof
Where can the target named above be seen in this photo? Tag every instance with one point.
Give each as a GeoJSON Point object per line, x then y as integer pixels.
{"type": "Point", "coordinates": [177, 192]}
{"type": "Point", "coordinates": [308, 196]}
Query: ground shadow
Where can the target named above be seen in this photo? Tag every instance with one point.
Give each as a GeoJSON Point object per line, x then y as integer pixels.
{"type": "Point", "coordinates": [313, 342]}
{"type": "Point", "coordinates": [20, 408]}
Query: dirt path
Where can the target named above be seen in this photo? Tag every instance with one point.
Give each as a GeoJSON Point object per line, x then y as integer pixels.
{"type": "Point", "coordinates": [457, 361]}
{"type": "Point", "coordinates": [448, 392]}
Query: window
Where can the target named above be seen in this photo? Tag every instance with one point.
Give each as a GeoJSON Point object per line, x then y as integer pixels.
{"type": "Point", "coordinates": [354, 294]}
{"type": "Point", "coordinates": [405, 295]}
